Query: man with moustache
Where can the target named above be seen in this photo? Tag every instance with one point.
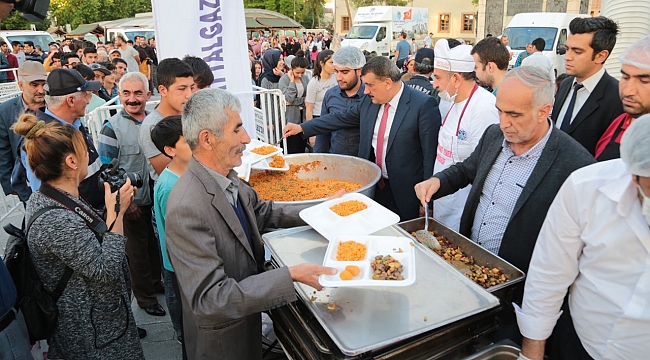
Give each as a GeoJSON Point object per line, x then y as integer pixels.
{"type": "Point", "coordinates": [491, 58]}
{"type": "Point", "coordinates": [212, 229]}
{"type": "Point", "coordinates": [347, 62]}
{"type": "Point", "coordinates": [634, 91]}
{"type": "Point", "coordinates": [31, 79]}
{"type": "Point", "coordinates": [398, 130]}
{"type": "Point", "coordinates": [119, 139]}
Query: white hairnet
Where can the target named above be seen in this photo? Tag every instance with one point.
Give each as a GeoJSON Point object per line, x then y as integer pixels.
{"type": "Point", "coordinates": [638, 54]}
{"type": "Point", "coordinates": [349, 57]}
{"type": "Point", "coordinates": [635, 146]}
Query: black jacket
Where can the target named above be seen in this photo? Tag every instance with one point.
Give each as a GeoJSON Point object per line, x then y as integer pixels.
{"type": "Point", "coordinates": [560, 157]}
{"type": "Point", "coordinates": [592, 120]}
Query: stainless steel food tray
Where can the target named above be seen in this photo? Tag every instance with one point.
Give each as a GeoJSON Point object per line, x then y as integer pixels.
{"type": "Point", "coordinates": [370, 318]}
{"type": "Point", "coordinates": [480, 254]}
{"type": "Point", "coordinates": [497, 352]}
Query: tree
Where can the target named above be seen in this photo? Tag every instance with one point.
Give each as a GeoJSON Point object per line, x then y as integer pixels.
{"type": "Point", "coordinates": [313, 9]}
{"type": "Point", "coordinates": [76, 12]}
{"type": "Point", "coordinates": [16, 21]}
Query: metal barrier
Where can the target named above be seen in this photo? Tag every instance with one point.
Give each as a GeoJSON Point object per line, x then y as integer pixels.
{"type": "Point", "coordinates": [9, 88]}
{"type": "Point", "coordinates": [270, 116]}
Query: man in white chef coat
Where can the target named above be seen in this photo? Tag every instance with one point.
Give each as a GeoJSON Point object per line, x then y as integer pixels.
{"type": "Point", "coordinates": [472, 111]}
{"type": "Point", "coordinates": [595, 242]}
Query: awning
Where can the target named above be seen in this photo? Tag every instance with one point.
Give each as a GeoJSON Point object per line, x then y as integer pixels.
{"type": "Point", "coordinates": [87, 28]}
{"type": "Point", "coordinates": [278, 23]}
{"type": "Point", "coordinates": [253, 24]}
{"type": "Point", "coordinates": [56, 31]}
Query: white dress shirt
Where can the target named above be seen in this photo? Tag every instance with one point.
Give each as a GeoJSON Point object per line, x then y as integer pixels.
{"type": "Point", "coordinates": [581, 96]}
{"type": "Point", "coordinates": [391, 115]}
{"type": "Point", "coordinates": [595, 240]}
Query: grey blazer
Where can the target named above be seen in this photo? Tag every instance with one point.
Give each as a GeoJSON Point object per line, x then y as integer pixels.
{"type": "Point", "coordinates": [561, 156]}
{"type": "Point", "coordinates": [9, 113]}
{"type": "Point", "coordinates": [296, 107]}
{"type": "Point", "coordinates": [222, 283]}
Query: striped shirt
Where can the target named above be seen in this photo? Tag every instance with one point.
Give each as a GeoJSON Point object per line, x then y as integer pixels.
{"type": "Point", "coordinates": [108, 145]}
{"type": "Point", "coordinates": [503, 185]}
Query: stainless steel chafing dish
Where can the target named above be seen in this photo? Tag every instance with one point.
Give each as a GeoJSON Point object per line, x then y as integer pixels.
{"type": "Point", "coordinates": [443, 312]}
{"type": "Point", "coordinates": [480, 254]}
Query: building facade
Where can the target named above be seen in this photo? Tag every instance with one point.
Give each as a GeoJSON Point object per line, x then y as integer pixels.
{"type": "Point", "coordinates": [494, 15]}
{"type": "Point", "coordinates": [447, 19]}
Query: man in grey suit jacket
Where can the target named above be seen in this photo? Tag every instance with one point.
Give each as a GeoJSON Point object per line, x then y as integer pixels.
{"type": "Point", "coordinates": [31, 78]}
{"type": "Point", "coordinates": [411, 123]}
{"type": "Point", "coordinates": [213, 229]}
{"type": "Point", "coordinates": [515, 172]}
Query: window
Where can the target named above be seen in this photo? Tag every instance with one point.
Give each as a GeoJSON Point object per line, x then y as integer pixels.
{"type": "Point", "coordinates": [444, 23]}
{"type": "Point", "coordinates": [345, 23]}
{"type": "Point", "coordinates": [468, 23]}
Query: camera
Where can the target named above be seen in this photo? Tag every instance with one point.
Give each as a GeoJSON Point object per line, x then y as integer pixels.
{"type": "Point", "coordinates": [33, 10]}
{"type": "Point", "coordinates": [116, 177]}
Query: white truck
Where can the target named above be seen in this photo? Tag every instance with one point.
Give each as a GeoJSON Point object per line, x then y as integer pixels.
{"type": "Point", "coordinates": [377, 28]}
{"type": "Point", "coordinates": [552, 27]}
{"type": "Point", "coordinates": [129, 33]}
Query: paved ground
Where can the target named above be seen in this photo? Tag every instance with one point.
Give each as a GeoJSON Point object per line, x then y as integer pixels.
{"type": "Point", "coordinates": [160, 343]}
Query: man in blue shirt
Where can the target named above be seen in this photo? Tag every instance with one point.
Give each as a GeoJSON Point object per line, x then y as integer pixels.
{"type": "Point", "coordinates": [402, 51]}
{"type": "Point", "coordinates": [348, 62]}
{"type": "Point", "coordinates": [66, 96]}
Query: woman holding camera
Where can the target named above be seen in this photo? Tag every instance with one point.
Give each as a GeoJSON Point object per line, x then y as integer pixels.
{"type": "Point", "coordinates": [94, 313]}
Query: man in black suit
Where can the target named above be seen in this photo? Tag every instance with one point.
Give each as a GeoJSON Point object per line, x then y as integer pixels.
{"type": "Point", "coordinates": [398, 131]}
{"type": "Point", "coordinates": [515, 172]}
{"type": "Point", "coordinates": [587, 101]}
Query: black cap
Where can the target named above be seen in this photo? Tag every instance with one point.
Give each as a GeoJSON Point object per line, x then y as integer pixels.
{"type": "Point", "coordinates": [67, 81]}
{"type": "Point", "coordinates": [424, 53]}
{"type": "Point", "coordinates": [100, 67]}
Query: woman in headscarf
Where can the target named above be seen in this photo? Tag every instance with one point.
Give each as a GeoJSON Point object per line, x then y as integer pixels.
{"type": "Point", "coordinates": [273, 64]}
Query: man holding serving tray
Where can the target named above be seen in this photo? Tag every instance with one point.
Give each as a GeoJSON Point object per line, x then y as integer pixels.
{"type": "Point", "coordinates": [213, 237]}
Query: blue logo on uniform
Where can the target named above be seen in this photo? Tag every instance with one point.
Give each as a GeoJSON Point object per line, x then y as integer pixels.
{"type": "Point", "coordinates": [462, 135]}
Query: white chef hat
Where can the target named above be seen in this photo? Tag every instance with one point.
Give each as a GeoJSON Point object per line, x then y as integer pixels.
{"type": "Point", "coordinates": [635, 147]}
{"type": "Point", "coordinates": [458, 59]}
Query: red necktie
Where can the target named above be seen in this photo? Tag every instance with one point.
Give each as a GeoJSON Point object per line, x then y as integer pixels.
{"type": "Point", "coordinates": [379, 151]}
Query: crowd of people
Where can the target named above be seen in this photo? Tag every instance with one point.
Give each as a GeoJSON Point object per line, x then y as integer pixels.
{"type": "Point", "coordinates": [554, 178]}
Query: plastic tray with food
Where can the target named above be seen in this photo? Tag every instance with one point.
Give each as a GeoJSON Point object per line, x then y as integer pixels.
{"type": "Point", "coordinates": [257, 150]}
{"type": "Point", "coordinates": [351, 214]}
{"type": "Point", "coordinates": [274, 163]}
{"type": "Point", "coordinates": [387, 261]}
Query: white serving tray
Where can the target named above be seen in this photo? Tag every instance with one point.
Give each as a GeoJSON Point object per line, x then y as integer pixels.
{"type": "Point", "coordinates": [252, 158]}
{"type": "Point", "coordinates": [264, 165]}
{"type": "Point", "coordinates": [400, 248]}
{"type": "Point", "coordinates": [364, 222]}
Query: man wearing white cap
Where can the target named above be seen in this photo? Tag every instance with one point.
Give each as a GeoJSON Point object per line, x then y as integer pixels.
{"type": "Point", "coordinates": [471, 111]}
{"type": "Point", "coordinates": [595, 242]}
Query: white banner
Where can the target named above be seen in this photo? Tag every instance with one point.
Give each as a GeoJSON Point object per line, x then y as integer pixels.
{"type": "Point", "coordinates": [214, 30]}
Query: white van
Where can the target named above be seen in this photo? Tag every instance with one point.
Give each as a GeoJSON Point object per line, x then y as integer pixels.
{"type": "Point", "coordinates": [37, 37]}
{"type": "Point", "coordinates": [552, 27]}
{"type": "Point", "coordinates": [376, 28]}
{"type": "Point", "coordinates": [129, 33]}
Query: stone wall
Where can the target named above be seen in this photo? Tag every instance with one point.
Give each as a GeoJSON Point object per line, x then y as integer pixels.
{"type": "Point", "coordinates": [556, 6]}
{"type": "Point", "coordinates": [494, 17]}
{"type": "Point", "coordinates": [524, 6]}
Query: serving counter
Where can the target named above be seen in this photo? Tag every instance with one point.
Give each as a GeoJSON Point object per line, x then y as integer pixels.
{"type": "Point", "coordinates": [444, 311]}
